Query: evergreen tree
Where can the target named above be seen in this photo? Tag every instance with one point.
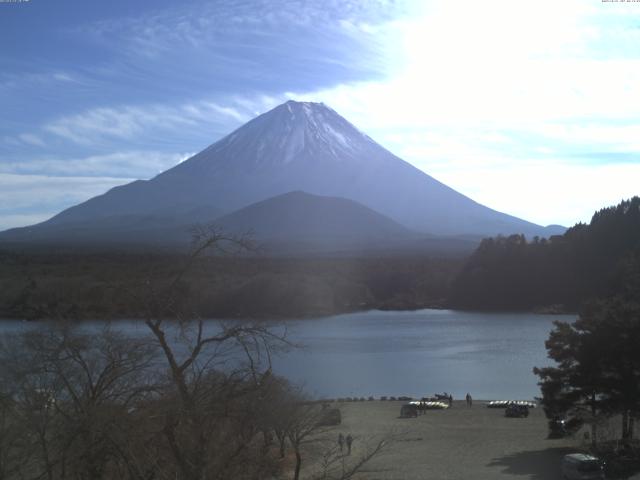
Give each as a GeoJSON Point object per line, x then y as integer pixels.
{"type": "Point", "coordinates": [598, 366]}
{"type": "Point", "coordinates": [589, 261]}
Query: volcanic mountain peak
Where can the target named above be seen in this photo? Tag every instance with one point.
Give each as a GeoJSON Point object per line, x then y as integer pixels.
{"type": "Point", "coordinates": [308, 147]}
{"type": "Point", "coordinates": [290, 133]}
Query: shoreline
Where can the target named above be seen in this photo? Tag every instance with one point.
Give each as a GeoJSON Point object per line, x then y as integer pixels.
{"type": "Point", "coordinates": [314, 315]}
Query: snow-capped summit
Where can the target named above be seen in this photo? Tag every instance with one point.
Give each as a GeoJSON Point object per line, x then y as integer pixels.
{"type": "Point", "coordinates": [291, 132]}
{"type": "Point", "coordinates": [300, 146]}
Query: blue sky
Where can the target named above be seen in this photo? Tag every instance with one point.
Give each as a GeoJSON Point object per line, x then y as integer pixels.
{"type": "Point", "coordinates": [531, 108]}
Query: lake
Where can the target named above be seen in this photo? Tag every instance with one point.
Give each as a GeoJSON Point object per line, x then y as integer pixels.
{"type": "Point", "coordinates": [490, 355]}
{"type": "Point", "coordinates": [415, 353]}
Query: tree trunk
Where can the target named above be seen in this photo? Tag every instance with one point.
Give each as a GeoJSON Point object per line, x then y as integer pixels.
{"type": "Point", "coordinates": [281, 442]}
{"type": "Point", "coordinates": [267, 441]}
{"type": "Point", "coordinates": [594, 428]}
{"type": "Point", "coordinates": [296, 475]}
{"type": "Point", "coordinates": [45, 452]}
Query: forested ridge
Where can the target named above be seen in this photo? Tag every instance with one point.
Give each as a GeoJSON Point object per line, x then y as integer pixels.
{"type": "Point", "coordinates": [109, 286]}
{"type": "Point", "coordinates": [592, 260]}
{"type": "Point", "coordinates": [599, 259]}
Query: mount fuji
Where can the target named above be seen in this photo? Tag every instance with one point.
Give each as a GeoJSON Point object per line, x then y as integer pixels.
{"type": "Point", "coordinates": [296, 147]}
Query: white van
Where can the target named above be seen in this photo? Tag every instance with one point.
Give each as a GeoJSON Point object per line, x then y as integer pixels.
{"type": "Point", "coordinates": [580, 466]}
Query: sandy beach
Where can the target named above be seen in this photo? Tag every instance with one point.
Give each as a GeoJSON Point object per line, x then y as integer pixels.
{"type": "Point", "coordinates": [458, 443]}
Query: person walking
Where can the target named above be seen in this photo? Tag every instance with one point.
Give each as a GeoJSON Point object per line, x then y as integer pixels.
{"type": "Point", "coordinates": [349, 442]}
{"type": "Point", "coordinates": [469, 400]}
{"type": "Point", "coordinates": [450, 400]}
{"type": "Point", "coordinates": [341, 442]}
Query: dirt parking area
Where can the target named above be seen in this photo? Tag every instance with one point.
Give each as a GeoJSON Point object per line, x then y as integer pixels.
{"type": "Point", "coordinates": [459, 443]}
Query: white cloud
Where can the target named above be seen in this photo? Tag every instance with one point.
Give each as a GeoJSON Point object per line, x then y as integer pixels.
{"type": "Point", "coordinates": [31, 139]}
{"type": "Point", "coordinates": [242, 43]}
{"type": "Point", "coordinates": [31, 80]}
{"type": "Point", "coordinates": [195, 24]}
{"type": "Point", "coordinates": [499, 99]}
{"type": "Point", "coordinates": [541, 191]}
{"type": "Point", "coordinates": [21, 220]}
{"type": "Point", "coordinates": [30, 197]}
{"type": "Point", "coordinates": [129, 121]}
{"type": "Point", "coordinates": [597, 136]}
{"type": "Point", "coordinates": [128, 164]}
{"type": "Point", "coordinates": [34, 191]}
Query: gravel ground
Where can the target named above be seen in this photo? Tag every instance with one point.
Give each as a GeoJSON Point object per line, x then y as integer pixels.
{"type": "Point", "coordinates": [459, 443]}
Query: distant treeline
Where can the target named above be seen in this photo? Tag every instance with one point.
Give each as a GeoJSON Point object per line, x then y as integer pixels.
{"type": "Point", "coordinates": [600, 259]}
{"type": "Point", "coordinates": [110, 285]}
{"type": "Point", "coordinates": [589, 261]}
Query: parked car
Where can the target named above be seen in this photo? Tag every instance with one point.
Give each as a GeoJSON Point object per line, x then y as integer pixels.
{"type": "Point", "coordinates": [517, 411]}
{"type": "Point", "coordinates": [408, 410]}
{"type": "Point", "coordinates": [581, 466]}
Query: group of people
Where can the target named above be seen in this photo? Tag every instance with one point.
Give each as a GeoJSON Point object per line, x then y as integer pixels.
{"type": "Point", "coordinates": [342, 441]}
{"type": "Point", "coordinates": [467, 397]}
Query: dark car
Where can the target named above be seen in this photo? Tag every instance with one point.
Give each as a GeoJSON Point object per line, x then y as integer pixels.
{"type": "Point", "coordinates": [580, 466]}
{"type": "Point", "coordinates": [409, 410]}
{"type": "Point", "coordinates": [517, 411]}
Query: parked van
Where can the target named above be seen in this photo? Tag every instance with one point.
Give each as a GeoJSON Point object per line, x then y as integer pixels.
{"type": "Point", "coordinates": [580, 466]}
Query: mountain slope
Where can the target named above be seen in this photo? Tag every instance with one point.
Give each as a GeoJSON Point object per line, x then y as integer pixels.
{"type": "Point", "coordinates": [308, 147]}
{"type": "Point", "coordinates": [292, 222]}
{"type": "Point", "coordinates": [121, 229]}
{"type": "Point", "coordinates": [313, 222]}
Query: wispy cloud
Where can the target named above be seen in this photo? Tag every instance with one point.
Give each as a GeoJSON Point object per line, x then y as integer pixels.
{"type": "Point", "coordinates": [9, 80]}
{"type": "Point", "coordinates": [206, 24]}
{"type": "Point", "coordinates": [260, 44]}
{"type": "Point", "coordinates": [31, 139]}
{"type": "Point", "coordinates": [38, 197]}
{"type": "Point", "coordinates": [129, 121]}
{"type": "Point", "coordinates": [126, 165]}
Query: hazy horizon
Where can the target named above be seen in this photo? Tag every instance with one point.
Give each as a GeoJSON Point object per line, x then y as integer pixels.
{"type": "Point", "coordinates": [530, 109]}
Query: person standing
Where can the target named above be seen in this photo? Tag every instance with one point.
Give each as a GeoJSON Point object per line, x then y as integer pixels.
{"type": "Point", "coordinates": [450, 400]}
{"type": "Point", "coordinates": [469, 400]}
{"type": "Point", "coordinates": [341, 442]}
{"type": "Point", "coordinates": [349, 442]}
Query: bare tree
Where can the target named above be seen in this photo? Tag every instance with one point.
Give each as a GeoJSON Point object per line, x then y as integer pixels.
{"type": "Point", "coordinates": [336, 466]}
{"type": "Point", "coordinates": [71, 393]}
{"type": "Point", "coordinates": [301, 424]}
{"type": "Point", "coordinates": [216, 373]}
{"type": "Point", "coordinates": [9, 437]}
{"type": "Point", "coordinates": [193, 399]}
{"type": "Point", "coordinates": [304, 429]}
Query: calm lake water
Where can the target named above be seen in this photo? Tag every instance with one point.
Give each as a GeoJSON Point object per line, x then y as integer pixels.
{"type": "Point", "coordinates": [490, 355]}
